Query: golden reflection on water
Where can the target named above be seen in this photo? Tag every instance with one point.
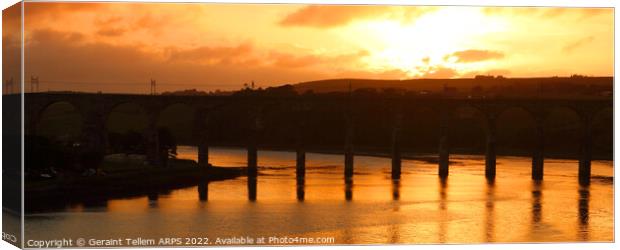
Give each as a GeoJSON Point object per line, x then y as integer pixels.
{"type": "Point", "coordinates": [370, 208]}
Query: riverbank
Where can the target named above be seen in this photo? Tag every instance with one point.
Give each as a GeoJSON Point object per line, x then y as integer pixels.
{"type": "Point", "coordinates": [132, 180]}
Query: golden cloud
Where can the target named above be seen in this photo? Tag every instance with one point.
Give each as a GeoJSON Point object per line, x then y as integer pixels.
{"type": "Point", "coordinates": [328, 16]}
{"type": "Point", "coordinates": [472, 55]}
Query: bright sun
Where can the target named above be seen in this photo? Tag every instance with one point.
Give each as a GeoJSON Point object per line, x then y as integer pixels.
{"type": "Point", "coordinates": [422, 45]}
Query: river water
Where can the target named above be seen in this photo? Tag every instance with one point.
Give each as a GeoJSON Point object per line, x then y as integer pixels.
{"type": "Point", "coordinates": [371, 210]}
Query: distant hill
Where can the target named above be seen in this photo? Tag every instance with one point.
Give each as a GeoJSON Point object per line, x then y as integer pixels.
{"type": "Point", "coordinates": [575, 84]}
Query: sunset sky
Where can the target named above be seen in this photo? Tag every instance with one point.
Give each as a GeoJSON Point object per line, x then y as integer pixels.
{"type": "Point", "coordinates": [118, 47]}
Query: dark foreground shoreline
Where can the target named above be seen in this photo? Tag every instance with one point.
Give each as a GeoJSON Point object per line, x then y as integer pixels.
{"type": "Point", "coordinates": [57, 193]}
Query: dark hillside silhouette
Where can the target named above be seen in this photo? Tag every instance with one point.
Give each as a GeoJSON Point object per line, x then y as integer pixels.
{"type": "Point", "coordinates": [489, 86]}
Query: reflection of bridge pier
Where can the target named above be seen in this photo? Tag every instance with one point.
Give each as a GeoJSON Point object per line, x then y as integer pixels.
{"type": "Point", "coordinates": [536, 202]}
{"type": "Point", "coordinates": [395, 189]}
{"type": "Point", "coordinates": [443, 208]}
{"type": "Point", "coordinates": [348, 189]}
{"type": "Point", "coordinates": [584, 212]}
{"type": "Point", "coordinates": [490, 211]}
{"type": "Point", "coordinates": [301, 189]}
{"type": "Point", "coordinates": [301, 174]}
{"type": "Point", "coordinates": [252, 172]}
{"type": "Point", "coordinates": [203, 191]}
{"type": "Point", "coordinates": [536, 206]}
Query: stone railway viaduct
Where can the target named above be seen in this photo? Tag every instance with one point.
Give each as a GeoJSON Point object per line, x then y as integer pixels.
{"type": "Point", "coordinates": [95, 109]}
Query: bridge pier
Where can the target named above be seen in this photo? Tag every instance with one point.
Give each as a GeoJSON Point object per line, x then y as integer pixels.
{"type": "Point", "coordinates": [348, 152]}
{"type": "Point", "coordinates": [252, 184]}
{"type": "Point", "coordinates": [152, 149]}
{"type": "Point", "coordinates": [94, 132]}
{"type": "Point", "coordinates": [538, 158]}
{"type": "Point", "coordinates": [203, 154]}
{"type": "Point", "coordinates": [252, 149]}
{"type": "Point", "coordinates": [301, 164]}
{"type": "Point", "coordinates": [585, 159]}
{"type": "Point", "coordinates": [300, 155]}
{"type": "Point", "coordinates": [444, 151]}
{"type": "Point", "coordinates": [348, 164]}
{"type": "Point", "coordinates": [201, 132]}
{"type": "Point", "coordinates": [396, 154]}
{"type": "Point", "coordinates": [152, 142]}
{"type": "Point", "coordinates": [490, 156]}
{"type": "Point", "coordinates": [301, 193]}
{"type": "Point", "coordinates": [252, 160]}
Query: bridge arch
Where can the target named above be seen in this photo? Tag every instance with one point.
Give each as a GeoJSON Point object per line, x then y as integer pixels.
{"type": "Point", "coordinates": [375, 125]}
{"type": "Point", "coordinates": [420, 129]}
{"type": "Point", "coordinates": [516, 131]}
{"type": "Point", "coordinates": [602, 133]}
{"type": "Point", "coordinates": [125, 125]}
{"type": "Point", "coordinates": [111, 107]}
{"type": "Point", "coordinates": [282, 122]}
{"type": "Point", "coordinates": [523, 109]}
{"type": "Point", "coordinates": [59, 120]}
{"type": "Point", "coordinates": [602, 112]}
{"type": "Point", "coordinates": [178, 118]}
{"type": "Point", "coordinates": [568, 108]}
{"type": "Point", "coordinates": [563, 130]}
{"type": "Point", "coordinates": [458, 110]}
{"type": "Point", "coordinates": [134, 116]}
{"type": "Point", "coordinates": [327, 125]}
{"type": "Point", "coordinates": [468, 128]}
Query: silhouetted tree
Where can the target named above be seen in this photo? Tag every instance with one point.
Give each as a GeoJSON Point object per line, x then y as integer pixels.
{"type": "Point", "coordinates": [38, 149]}
{"type": "Point", "coordinates": [90, 159]}
{"type": "Point", "coordinates": [47, 156]}
{"type": "Point", "coordinates": [131, 142]}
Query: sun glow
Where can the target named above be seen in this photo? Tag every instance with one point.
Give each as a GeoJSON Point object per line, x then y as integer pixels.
{"type": "Point", "coordinates": [426, 44]}
{"type": "Point", "coordinates": [216, 46]}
